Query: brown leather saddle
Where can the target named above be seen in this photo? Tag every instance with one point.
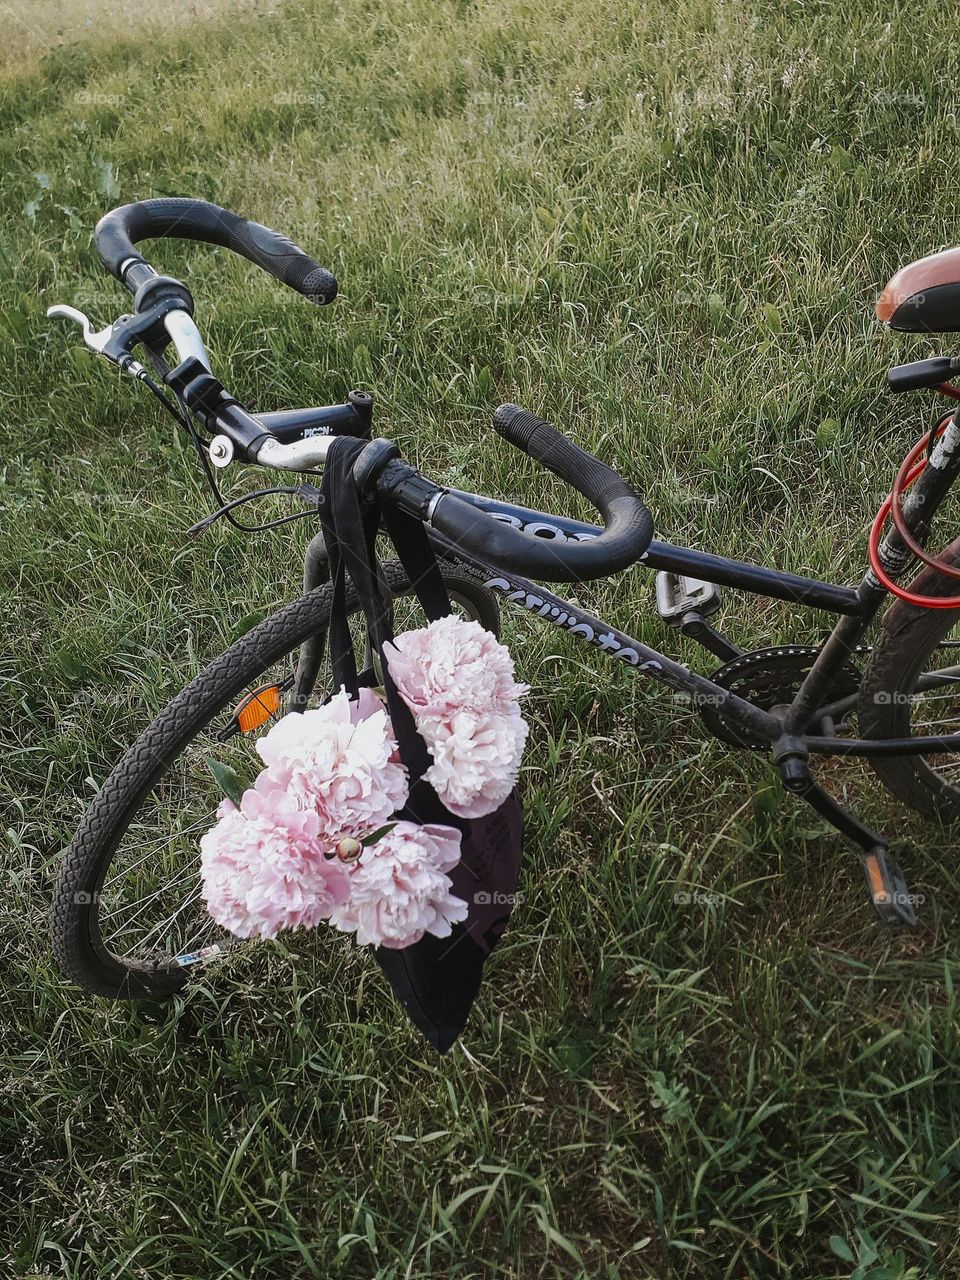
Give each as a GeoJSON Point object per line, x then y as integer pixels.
{"type": "Point", "coordinates": [925, 296]}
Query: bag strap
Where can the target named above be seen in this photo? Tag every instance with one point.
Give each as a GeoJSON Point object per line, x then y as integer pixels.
{"type": "Point", "coordinates": [351, 534]}
{"type": "Point", "coordinates": [419, 562]}
{"type": "Point", "coordinates": [337, 479]}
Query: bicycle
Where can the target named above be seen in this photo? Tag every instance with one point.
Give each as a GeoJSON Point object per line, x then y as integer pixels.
{"type": "Point", "coordinates": [126, 917]}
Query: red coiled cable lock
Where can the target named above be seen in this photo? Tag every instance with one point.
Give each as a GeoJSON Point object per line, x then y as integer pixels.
{"type": "Point", "coordinates": [913, 466]}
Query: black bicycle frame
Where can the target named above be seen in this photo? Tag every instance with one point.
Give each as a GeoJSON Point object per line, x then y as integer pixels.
{"type": "Point", "coordinates": [856, 608]}
{"type": "Point", "coordinates": [784, 730]}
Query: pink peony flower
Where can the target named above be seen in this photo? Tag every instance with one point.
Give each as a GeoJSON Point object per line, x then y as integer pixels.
{"type": "Point", "coordinates": [263, 867]}
{"type": "Point", "coordinates": [475, 760]}
{"type": "Point", "coordinates": [399, 890]}
{"type": "Point", "coordinates": [453, 665]}
{"type": "Point", "coordinates": [457, 679]}
{"type": "Point", "coordinates": [339, 760]}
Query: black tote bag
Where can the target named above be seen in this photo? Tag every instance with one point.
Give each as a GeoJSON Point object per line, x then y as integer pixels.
{"type": "Point", "coordinates": [436, 979]}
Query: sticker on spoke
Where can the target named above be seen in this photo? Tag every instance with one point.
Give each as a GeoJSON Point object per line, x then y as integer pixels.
{"type": "Point", "coordinates": [198, 957]}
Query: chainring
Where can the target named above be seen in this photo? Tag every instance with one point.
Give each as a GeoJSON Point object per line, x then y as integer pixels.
{"type": "Point", "coordinates": [768, 678]}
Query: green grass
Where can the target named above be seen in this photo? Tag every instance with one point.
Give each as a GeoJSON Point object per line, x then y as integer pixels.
{"type": "Point", "coordinates": [662, 225]}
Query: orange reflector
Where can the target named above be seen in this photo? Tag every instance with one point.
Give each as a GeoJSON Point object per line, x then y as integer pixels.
{"type": "Point", "coordinates": [875, 876]}
{"type": "Point", "coordinates": [257, 708]}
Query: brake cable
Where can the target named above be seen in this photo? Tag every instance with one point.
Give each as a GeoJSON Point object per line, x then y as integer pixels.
{"type": "Point", "coordinates": [225, 508]}
{"type": "Point", "coordinates": [114, 343]}
{"type": "Point", "coordinates": [306, 491]}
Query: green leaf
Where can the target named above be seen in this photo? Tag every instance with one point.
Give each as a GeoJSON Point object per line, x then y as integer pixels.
{"type": "Point", "coordinates": [867, 1250]}
{"type": "Point", "coordinates": [841, 1249]}
{"type": "Point", "coordinates": [841, 158]}
{"type": "Point", "coordinates": [107, 184]}
{"type": "Point", "coordinates": [228, 780]}
{"type": "Point", "coordinates": [247, 623]}
{"type": "Point", "coordinates": [828, 431]}
{"type": "Point", "coordinates": [374, 836]}
{"type": "Point", "coordinates": [772, 317]}
{"type": "Point", "coordinates": [370, 1232]}
{"type": "Point", "coordinates": [556, 1237]}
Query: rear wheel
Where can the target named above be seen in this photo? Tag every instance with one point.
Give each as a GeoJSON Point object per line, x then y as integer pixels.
{"type": "Point", "coordinates": [911, 687]}
{"type": "Point", "coordinates": [127, 919]}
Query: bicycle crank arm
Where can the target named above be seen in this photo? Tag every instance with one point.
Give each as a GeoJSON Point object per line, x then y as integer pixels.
{"type": "Point", "coordinates": [886, 884]}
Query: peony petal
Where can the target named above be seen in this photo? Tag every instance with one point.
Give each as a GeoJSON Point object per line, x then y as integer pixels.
{"type": "Point", "coordinates": [399, 890]}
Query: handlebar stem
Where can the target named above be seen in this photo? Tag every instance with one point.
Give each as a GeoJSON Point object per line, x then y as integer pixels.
{"type": "Point", "coordinates": [185, 337]}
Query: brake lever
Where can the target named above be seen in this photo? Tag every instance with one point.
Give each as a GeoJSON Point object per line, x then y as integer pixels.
{"type": "Point", "coordinates": [103, 342]}
{"type": "Point", "coordinates": [95, 341]}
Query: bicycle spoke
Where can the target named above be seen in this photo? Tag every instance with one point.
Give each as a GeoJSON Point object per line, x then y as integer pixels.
{"type": "Point", "coordinates": [159, 930]}
{"type": "Point", "coordinates": [926, 726]}
{"type": "Point", "coordinates": [152, 900]}
{"type": "Point", "coordinates": [143, 904]}
{"type": "Point", "coordinates": [199, 825]}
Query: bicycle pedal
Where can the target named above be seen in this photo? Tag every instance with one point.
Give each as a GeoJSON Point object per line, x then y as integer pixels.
{"type": "Point", "coordinates": [888, 889]}
{"type": "Point", "coordinates": [677, 595]}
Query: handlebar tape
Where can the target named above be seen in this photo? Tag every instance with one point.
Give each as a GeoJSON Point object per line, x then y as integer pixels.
{"type": "Point", "coordinates": [118, 231]}
{"type": "Point", "coordinates": [544, 443]}
{"type": "Point", "coordinates": [628, 525]}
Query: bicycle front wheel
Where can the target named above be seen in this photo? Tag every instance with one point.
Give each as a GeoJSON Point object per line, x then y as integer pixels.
{"type": "Point", "coordinates": [128, 920]}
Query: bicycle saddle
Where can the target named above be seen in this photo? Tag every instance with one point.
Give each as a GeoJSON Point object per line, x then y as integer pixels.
{"type": "Point", "coordinates": [925, 296]}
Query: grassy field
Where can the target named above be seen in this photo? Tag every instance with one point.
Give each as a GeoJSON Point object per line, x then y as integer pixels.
{"type": "Point", "coordinates": [662, 225]}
